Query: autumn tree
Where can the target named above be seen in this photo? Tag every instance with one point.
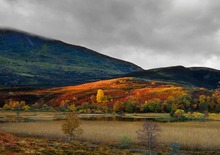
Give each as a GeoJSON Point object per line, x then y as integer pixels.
{"type": "Point", "coordinates": [100, 96]}
{"type": "Point", "coordinates": [134, 104]}
{"type": "Point", "coordinates": [131, 105]}
{"type": "Point", "coordinates": [179, 114]}
{"type": "Point", "coordinates": [35, 106]}
{"type": "Point", "coordinates": [118, 106]}
{"type": "Point", "coordinates": [212, 105]}
{"type": "Point", "coordinates": [154, 105]}
{"type": "Point", "coordinates": [14, 105]}
{"type": "Point", "coordinates": [203, 105]}
{"type": "Point", "coordinates": [185, 101]}
{"type": "Point", "coordinates": [167, 104]}
{"type": "Point", "coordinates": [166, 107]}
{"type": "Point", "coordinates": [71, 126]}
{"type": "Point", "coordinates": [6, 107]}
{"type": "Point", "coordinates": [93, 99]}
{"type": "Point", "coordinates": [128, 107]}
{"type": "Point", "coordinates": [194, 105]}
{"type": "Point", "coordinates": [64, 104]}
{"type": "Point", "coordinates": [217, 106]}
{"type": "Point", "coordinates": [72, 107]}
{"type": "Point", "coordinates": [148, 135]}
{"type": "Point", "coordinates": [215, 101]}
{"type": "Point", "coordinates": [17, 106]}
{"type": "Point", "coordinates": [144, 107]}
{"type": "Point", "coordinates": [25, 107]}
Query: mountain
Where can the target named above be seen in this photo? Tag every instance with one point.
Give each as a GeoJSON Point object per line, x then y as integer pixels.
{"type": "Point", "coordinates": [31, 60]}
{"type": "Point", "coordinates": [193, 76]}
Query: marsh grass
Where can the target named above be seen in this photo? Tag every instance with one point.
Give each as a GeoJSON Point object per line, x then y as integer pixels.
{"type": "Point", "coordinates": [190, 135]}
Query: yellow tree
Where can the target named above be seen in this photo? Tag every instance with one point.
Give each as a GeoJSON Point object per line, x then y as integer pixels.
{"type": "Point", "coordinates": [6, 107]}
{"type": "Point", "coordinates": [71, 126]}
{"type": "Point", "coordinates": [26, 107]}
{"type": "Point", "coordinates": [72, 107]}
{"type": "Point", "coordinates": [100, 96]}
{"type": "Point", "coordinates": [202, 102]}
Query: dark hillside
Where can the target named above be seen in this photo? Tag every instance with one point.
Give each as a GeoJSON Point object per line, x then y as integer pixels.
{"type": "Point", "coordinates": [193, 76]}
{"type": "Point", "coordinates": [31, 60]}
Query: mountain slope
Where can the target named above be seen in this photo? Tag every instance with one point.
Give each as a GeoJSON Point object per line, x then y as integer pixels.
{"type": "Point", "coordinates": [193, 76]}
{"type": "Point", "coordinates": [27, 59]}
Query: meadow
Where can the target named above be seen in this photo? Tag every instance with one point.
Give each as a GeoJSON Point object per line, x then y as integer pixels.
{"type": "Point", "coordinates": [193, 135]}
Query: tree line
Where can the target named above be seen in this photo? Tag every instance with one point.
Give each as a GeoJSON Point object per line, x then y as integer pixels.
{"type": "Point", "coordinates": [99, 104]}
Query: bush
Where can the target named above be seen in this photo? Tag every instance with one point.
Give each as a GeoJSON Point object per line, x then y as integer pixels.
{"type": "Point", "coordinates": [175, 147]}
{"type": "Point", "coordinates": [125, 142]}
{"type": "Point", "coordinates": [71, 126]}
{"type": "Point", "coordinates": [195, 116]}
{"type": "Point", "coordinates": [180, 114]}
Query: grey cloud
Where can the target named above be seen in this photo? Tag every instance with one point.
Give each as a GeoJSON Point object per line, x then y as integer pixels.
{"type": "Point", "coordinates": [174, 31]}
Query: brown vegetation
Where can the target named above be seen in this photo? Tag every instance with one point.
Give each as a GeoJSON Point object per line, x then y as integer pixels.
{"type": "Point", "coordinates": [190, 135]}
{"type": "Point", "coordinates": [32, 146]}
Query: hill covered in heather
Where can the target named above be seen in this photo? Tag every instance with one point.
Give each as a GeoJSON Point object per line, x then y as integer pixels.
{"type": "Point", "coordinates": [128, 94]}
{"type": "Point", "coordinates": [31, 60]}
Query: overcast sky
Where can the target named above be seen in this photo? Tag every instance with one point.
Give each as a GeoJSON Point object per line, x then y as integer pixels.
{"type": "Point", "coordinates": [149, 33]}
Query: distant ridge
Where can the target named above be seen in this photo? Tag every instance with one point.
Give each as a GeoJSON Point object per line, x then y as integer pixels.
{"type": "Point", "coordinates": [192, 76]}
{"type": "Point", "coordinates": [32, 60]}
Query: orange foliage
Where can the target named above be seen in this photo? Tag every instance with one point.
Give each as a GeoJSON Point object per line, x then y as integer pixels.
{"type": "Point", "coordinates": [153, 83]}
{"type": "Point", "coordinates": [119, 90]}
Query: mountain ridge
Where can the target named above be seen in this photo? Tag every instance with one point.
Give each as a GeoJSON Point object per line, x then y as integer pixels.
{"type": "Point", "coordinates": [11, 30]}
{"type": "Point", "coordinates": [192, 76]}
{"type": "Point", "coordinates": [28, 59]}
